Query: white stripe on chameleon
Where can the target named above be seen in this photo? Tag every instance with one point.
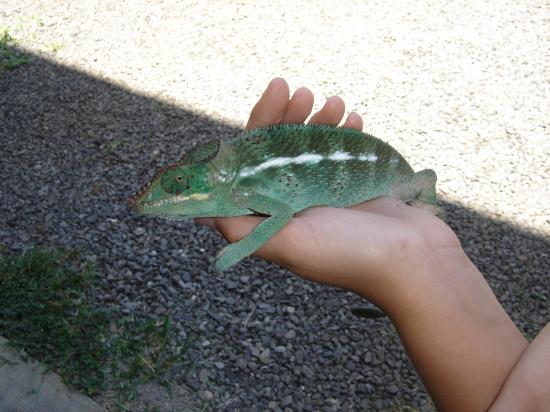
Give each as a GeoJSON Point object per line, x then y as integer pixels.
{"type": "Point", "coordinates": [371, 157]}
{"type": "Point", "coordinates": [181, 198]}
{"type": "Point", "coordinates": [282, 161]}
{"type": "Point", "coordinates": [340, 156]}
{"type": "Point", "coordinates": [304, 158]}
{"type": "Point", "coordinates": [278, 161]}
{"type": "Point", "coordinates": [308, 158]}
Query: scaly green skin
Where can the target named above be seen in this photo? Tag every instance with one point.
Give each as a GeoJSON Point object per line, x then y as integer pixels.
{"type": "Point", "coordinates": [278, 171]}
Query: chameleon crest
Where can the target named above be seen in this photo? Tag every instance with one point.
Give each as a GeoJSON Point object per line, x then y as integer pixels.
{"type": "Point", "coordinates": [278, 171]}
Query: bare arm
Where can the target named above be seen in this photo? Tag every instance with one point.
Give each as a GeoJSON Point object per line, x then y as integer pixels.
{"type": "Point", "coordinates": [527, 387]}
{"type": "Point", "coordinates": [458, 336]}
{"type": "Point", "coordinates": [461, 341]}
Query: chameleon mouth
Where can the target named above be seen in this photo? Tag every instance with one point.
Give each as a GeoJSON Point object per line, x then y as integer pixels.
{"type": "Point", "coordinates": [146, 206]}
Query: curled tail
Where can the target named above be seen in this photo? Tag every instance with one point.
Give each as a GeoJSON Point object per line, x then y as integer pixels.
{"type": "Point", "coordinates": [426, 198]}
{"type": "Point", "coordinates": [418, 190]}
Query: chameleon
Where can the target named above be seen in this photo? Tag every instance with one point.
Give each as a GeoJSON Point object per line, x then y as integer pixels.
{"type": "Point", "coordinates": [277, 172]}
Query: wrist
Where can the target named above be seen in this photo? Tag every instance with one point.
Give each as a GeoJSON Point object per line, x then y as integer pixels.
{"type": "Point", "coordinates": [409, 282]}
{"type": "Point", "coordinates": [450, 321]}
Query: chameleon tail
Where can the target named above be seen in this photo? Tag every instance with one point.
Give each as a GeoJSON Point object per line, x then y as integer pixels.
{"type": "Point", "coordinates": [426, 198]}
{"type": "Point", "coordinates": [425, 181]}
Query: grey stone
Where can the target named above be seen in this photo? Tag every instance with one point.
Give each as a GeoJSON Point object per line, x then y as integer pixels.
{"type": "Point", "coordinates": [265, 356]}
{"type": "Point", "coordinates": [206, 395]}
{"type": "Point", "coordinates": [307, 372]}
{"type": "Point", "coordinates": [139, 231]}
{"type": "Point", "coordinates": [286, 401]}
{"type": "Point", "coordinates": [290, 334]}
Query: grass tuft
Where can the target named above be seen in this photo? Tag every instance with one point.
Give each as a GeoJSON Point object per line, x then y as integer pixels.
{"type": "Point", "coordinates": [10, 58]}
{"type": "Point", "coordinates": [45, 311]}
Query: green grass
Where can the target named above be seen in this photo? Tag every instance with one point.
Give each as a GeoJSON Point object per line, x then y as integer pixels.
{"type": "Point", "coordinates": [46, 312]}
{"type": "Point", "coordinates": [112, 146]}
{"type": "Point", "coordinates": [55, 47]}
{"type": "Point", "coordinates": [10, 58]}
{"type": "Point", "coordinates": [157, 107]}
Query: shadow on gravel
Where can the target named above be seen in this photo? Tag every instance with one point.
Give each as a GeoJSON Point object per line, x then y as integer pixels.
{"type": "Point", "coordinates": [74, 147]}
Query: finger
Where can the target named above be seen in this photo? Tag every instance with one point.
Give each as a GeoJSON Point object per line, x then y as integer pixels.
{"type": "Point", "coordinates": [236, 228]}
{"type": "Point", "coordinates": [271, 106]}
{"type": "Point", "coordinates": [331, 113]}
{"type": "Point", "coordinates": [354, 121]}
{"type": "Point", "coordinates": [206, 221]}
{"type": "Point", "coordinates": [299, 107]}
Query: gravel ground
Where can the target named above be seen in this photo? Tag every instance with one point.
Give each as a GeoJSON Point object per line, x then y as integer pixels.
{"type": "Point", "coordinates": [460, 87]}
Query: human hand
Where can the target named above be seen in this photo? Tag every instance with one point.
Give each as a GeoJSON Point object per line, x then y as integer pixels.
{"type": "Point", "coordinates": [364, 248]}
{"type": "Point", "coordinates": [411, 265]}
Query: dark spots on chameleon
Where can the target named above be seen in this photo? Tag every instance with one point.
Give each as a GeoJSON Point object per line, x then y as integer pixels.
{"type": "Point", "coordinates": [256, 140]}
{"type": "Point", "coordinates": [202, 153]}
{"type": "Point", "coordinates": [252, 143]}
{"type": "Point", "coordinates": [289, 185]}
{"type": "Point", "coordinates": [289, 180]}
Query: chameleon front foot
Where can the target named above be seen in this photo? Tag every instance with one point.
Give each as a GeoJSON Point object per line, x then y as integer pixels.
{"type": "Point", "coordinates": [227, 257]}
{"type": "Point", "coordinates": [280, 216]}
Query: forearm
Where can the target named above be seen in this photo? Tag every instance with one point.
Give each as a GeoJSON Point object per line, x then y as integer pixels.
{"type": "Point", "coordinates": [527, 387]}
{"type": "Point", "coordinates": [458, 336]}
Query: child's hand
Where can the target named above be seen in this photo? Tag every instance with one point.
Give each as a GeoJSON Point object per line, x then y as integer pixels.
{"type": "Point", "coordinates": [411, 265]}
{"type": "Point", "coordinates": [358, 248]}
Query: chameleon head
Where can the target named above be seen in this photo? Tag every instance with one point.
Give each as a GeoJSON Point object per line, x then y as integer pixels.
{"type": "Point", "coordinates": [179, 191]}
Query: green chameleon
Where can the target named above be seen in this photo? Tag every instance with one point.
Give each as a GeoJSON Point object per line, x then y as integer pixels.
{"type": "Point", "coordinates": [278, 171]}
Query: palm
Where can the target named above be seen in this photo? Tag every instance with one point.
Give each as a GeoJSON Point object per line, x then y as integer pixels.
{"type": "Point", "coordinates": [337, 246]}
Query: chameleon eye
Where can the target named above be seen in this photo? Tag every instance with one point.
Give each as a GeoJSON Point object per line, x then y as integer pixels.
{"type": "Point", "coordinates": [173, 181]}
